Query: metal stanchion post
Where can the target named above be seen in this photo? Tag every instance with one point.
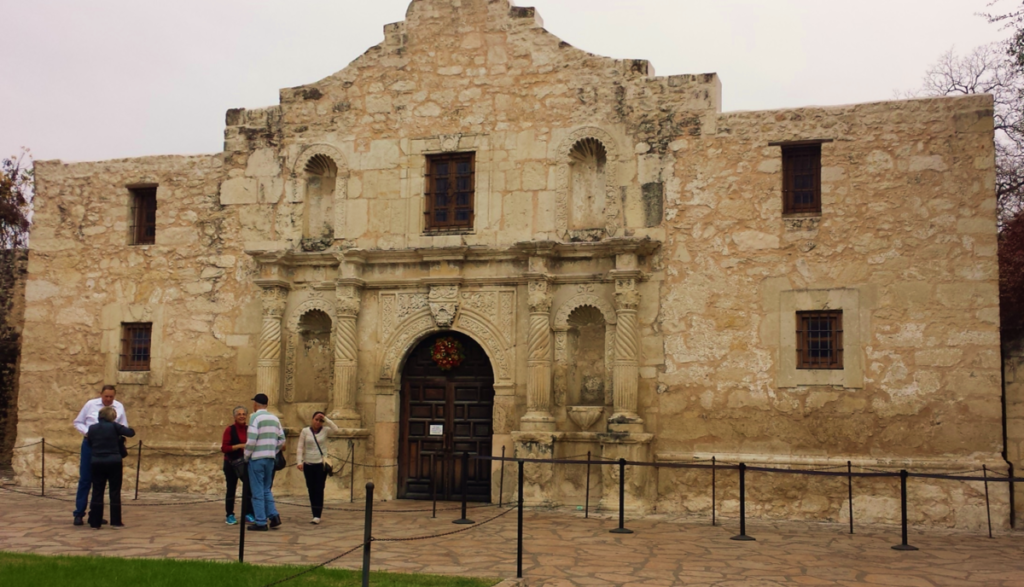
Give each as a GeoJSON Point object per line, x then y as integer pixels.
{"type": "Point", "coordinates": [1009, 471]}
{"type": "Point", "coordinates": [367, 534]}
{"type": "Point", "coordinates": [465, 488]}
{"type": "Point", "coordinates": [42, 487]}
{"type": "Point", "coordinates": [586, 507]}
{"type": "Point", "coordinates": [849, 485]}
{"type": "Point", "coordinates": [246, 495]}
{"type": "Point", "coordinates": [501, 484]}
{"type": "Point", "coordinates": [433, 485]}
{"type": "Point", "coordinates": [622, 500]}
{"type": "Point", "coordinates": [138, 470]}
{"type": "Point", "coordinates": [984, 470]}
{"type": "Point", "coordinates": [519, 532]}
{"type": "Point", "coordinates": [352, 472]}
{"type": "Point", "coordinates": [714, 469]}
{"type": "Point", "coordinates": [743, 505]}
{"type": "Point", "coordinates": [903, 512]}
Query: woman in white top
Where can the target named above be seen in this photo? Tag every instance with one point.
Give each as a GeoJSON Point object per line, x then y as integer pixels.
{"type": "Point", "coordinates": [310, 458]}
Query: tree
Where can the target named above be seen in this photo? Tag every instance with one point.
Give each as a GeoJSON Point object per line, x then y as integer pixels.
{"type": "Point", "coordinates": [990, 69]}
{"type": "Point", "coordinates": [1011, 279]}
{"type": "Point", "coordinates": [16, 183]}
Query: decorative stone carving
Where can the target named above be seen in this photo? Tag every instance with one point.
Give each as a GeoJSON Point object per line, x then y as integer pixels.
{"type": "Point", "coordinates": [315, 301]}
{"type": "Point", "coordinates": [444, 304]}
{"type": "Point", "coordinates": [339, 191]}
{"type": "Point", "coordinates": [627, 350]}
{"type": "Point", "coordinates": [343, 399]}
{"type": "Point", "coordinates": [450, 143]}
{"type": "Point", "coordinates": [268, 367]}
{"type": "Point", "coordinates": [538, 363]}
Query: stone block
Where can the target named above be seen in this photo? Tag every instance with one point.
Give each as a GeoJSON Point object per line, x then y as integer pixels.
{"type": "Point", "coordinates": [240, 190]}
{"type": "Point", "coordinates": [263, 163]}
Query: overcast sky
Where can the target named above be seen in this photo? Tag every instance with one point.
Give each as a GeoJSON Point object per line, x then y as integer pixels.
{"type": "Point", "coordinates": [101, 79]}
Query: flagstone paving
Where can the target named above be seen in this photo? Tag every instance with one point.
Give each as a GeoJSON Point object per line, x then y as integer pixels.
{"type": "Point", "coordinates": [561, 548]}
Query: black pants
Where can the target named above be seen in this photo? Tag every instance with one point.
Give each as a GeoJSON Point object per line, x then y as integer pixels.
{"type": "Point", "coordinates": [229, 497]}
{"type": "Point", "coordinates": [315, 481]}
{"type": "Point", "coordinates": [103, 473]}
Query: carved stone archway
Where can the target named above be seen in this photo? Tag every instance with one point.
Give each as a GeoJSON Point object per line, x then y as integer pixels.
{"type": "Point", "coordinates": [292, 338]}
{"type": "Point", "coordinates": [613, 204]}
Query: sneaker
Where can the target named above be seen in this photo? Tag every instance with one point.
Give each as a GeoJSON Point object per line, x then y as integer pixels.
{"type": "Point", "coordinates": [275, 521]}
{"type": "Point", "coordinates": [250, 518]}
{"type": "Point", "coordinates": [315, 521]}
{"type": "Point", "coordinates": [79, 521]}
{"type": "Point", "coordinates": [257, 528]}
{"type": "Point", "coordinates": [104, 522]}
{"type": "Point", "coordinates": [118, 526]}
{"type": "Point", "coordinates": [230, 520]}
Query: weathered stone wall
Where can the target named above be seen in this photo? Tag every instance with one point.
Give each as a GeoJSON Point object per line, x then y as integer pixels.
{"type": "Point", "coordinates": [13, 265]}
{"type": "Point", "coordinates": [905, 245]}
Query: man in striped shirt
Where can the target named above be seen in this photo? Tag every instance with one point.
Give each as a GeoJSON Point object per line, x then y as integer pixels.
{"type": "Point", "coordinates": [265, 438]}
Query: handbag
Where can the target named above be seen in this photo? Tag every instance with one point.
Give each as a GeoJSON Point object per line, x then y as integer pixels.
{"type": "Point", "coordinates": [238, 464]}
{"type": "Point", "coordinates": [328, 469]}
{"type": "Point", "coordinates": [279, 462]}
{"type": "Point", "coordinates": [121, 448]}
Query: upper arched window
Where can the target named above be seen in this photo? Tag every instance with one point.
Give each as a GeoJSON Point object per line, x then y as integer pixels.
{"type": "Point", "coordinates": [588, 161]}
{"type": "Point", "coordinates": [321, 178]}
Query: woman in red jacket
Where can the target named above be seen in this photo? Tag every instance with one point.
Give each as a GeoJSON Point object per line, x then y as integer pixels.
{"type": "Point", "coordinates": [232, 444]}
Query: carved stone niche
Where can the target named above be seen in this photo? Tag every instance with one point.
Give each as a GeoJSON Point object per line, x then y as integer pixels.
{"type": "Point", "coordinates": [584, 354]}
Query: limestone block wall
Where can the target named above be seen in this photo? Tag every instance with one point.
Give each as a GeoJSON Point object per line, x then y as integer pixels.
{"type": "Point", "coordinates": [84, 279]}
{"type": "Point", "coordinates": [905, 245]}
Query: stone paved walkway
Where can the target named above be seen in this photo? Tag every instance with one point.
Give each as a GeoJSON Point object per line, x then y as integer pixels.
{"type": "Point", "coordinates": [561, 547]}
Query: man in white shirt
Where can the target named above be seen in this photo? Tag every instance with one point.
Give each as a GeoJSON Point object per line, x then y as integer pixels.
{"type": "Point", "coordinates": [88, 416]}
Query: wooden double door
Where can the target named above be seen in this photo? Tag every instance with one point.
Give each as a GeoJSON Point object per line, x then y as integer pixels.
{"type": "Point", "coordinates": [443, 415]}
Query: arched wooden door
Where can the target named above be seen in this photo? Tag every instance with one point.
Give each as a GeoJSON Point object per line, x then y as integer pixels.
{"type": "Point", "coordinates": [445, 413]}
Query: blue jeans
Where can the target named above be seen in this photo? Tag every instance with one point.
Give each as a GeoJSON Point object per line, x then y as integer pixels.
{"type": "Point", "coordinates": [261, 479]}
{"type": "Point", "coordinates": [84, 479]}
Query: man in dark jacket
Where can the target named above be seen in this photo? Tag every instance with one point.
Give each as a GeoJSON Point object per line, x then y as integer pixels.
{"type": "Point", "coordinates": [104, 440]}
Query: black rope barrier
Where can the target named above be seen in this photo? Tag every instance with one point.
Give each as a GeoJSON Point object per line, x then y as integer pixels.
{"type": "Point", "coordinates": [444, 534]}
{"type": "Point", "coordinates": [311, 569]}
{"type": "Point", "coordinates": [29, 445]}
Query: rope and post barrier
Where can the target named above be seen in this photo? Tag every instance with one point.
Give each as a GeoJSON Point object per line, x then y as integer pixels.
{"type": "Point", "coordinates": [849, 486]}
{"type": "Point", "coordinates": [743, 505]}
{"type": "Point", "coordinates": [138, 471]}
{"type": "Point", "coordinates": [903, 512]}
{"type": "Point", "coordinates": [984, 471]}
{"type": "Point", "coordinates": [433, 486]}
{"type": "Point", "coordinates": [465, 488]}
{"type": "Point", "coordinates": [501, 484]}
{"type": "Point", "coordinates": [622, 501]}
{"type": "Point", "coordinates": [713, 496]}
{"type": "Point", "coordinates": [519, 531]}
{"type": "Point", "coordinates": [367, 534]}
{"type": "Point", "coordinates": [42, 476]}
{"type": "Point", "coordinates": [352, 473]}
{"type": "Point", "coordinates": [586, 510]}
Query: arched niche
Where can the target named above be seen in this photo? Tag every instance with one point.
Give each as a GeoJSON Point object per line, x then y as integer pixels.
{"type": "Point", "coordinates": [320, 184]}
{"type": "Point", "coordinates": [584, 315]}
{"type": "Point", "coordinates": [588, 205]}
{"type": "Point", "coordinates": [314, 358]}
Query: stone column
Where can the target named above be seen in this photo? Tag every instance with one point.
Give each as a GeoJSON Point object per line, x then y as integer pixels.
{"type": "Point", "coordinates": [626, 370]}
{"type": "Point", "coordinates": [268, 369]}
{"type": "Point", "coordinates": [538, 363]}
{"type": "Point", "coordinates": [343, 396]}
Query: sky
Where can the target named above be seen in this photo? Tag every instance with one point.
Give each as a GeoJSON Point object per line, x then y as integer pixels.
{"type": "Point", "coordinates": [104, 79]}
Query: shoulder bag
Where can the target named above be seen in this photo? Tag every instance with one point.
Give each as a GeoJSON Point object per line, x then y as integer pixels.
{"type": "Point", "coordinates": [238, 464]}
{"type": "Point", "coordinates": [328, 469]}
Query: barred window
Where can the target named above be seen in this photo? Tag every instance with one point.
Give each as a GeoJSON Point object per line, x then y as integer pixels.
{"type": "Point", "coordinates": [801, 179]}
{"type": "Point", "coordinates": [450, 181]}
{"type": "Point", "coordinates": [819, 339]}
{"type": "Point", "coordinates": [142, 217]}
{"type": "Point", "coordinates": [136, 338]}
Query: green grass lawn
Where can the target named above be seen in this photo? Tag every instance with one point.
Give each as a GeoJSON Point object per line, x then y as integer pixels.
{"type": "Point", "coordinates": [31, 570]}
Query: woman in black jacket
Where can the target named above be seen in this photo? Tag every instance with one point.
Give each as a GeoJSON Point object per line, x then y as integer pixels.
{"type": "Point", "coordinates": [105, 442]}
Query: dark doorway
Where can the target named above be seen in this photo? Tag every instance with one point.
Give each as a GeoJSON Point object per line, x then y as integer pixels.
{"type": "Point", "coordinates": [444, 414]}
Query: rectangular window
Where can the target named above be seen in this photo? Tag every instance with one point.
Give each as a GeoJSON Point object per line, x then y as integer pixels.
{"type": "Point", "coordinates": [135, 346]}
{"type": "Point", "coordinates": [801, 179]}
{"type": "Point", "coordinates": [819, 339]}
{"type": "Point", "coordinates": [142, 216]}
{"type": "Point", "coordinates": [450, 182]}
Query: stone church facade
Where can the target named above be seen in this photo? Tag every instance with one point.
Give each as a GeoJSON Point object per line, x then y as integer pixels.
{"type": "Point", "coordinates": [628, 270]}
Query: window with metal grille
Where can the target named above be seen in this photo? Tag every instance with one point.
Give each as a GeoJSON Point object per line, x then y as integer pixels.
{"type": "Point", "coordinates": [143, 216]}
{"type": "Point", "coordinates": [135, 346]}
{"type": "Point", "coordinates": [449, 194]}
{"type": "Point", "coordinates": [819, 339]}
{"type": "Point", "coordinates": [801, 179]}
